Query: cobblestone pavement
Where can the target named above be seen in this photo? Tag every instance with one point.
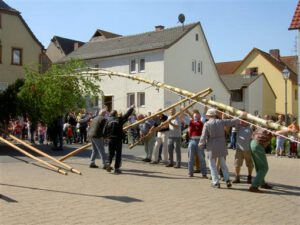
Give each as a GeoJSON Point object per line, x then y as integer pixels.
{"type": "Point", "coordinates": [143, 194]}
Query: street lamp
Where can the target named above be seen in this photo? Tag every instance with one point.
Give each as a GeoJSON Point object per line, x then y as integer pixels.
{"type": "Point", "coordinates": [286, 75]}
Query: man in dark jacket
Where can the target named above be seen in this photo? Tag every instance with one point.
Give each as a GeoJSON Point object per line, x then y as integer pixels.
{"type": "Point", "coordinates": [115, 126]}
{"type": "Point", "coordinates": [83, 124]}
{"type": "Point", "coordinates": [95, 133]}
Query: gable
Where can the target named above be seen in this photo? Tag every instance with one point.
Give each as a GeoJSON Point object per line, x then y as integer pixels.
{"type": "Point", "coordinates": [278, 65]}
{"type": "Point", "coordinates": [131, 44]}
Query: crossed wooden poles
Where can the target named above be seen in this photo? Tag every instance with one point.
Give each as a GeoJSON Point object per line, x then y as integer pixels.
{"type": "Point", "coordinates": [197, 96]}
{"type": "Point", "coordinates": [55, 168]}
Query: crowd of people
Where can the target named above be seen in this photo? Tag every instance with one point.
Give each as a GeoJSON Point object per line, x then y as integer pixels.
{"type": "Point", "coordinates": [162, 136]}
{"type": "Point", "coordinates": [208, 134]}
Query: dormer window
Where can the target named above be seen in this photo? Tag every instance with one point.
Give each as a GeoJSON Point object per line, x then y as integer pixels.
{"type": "Point", "coordinates": [252, 71]}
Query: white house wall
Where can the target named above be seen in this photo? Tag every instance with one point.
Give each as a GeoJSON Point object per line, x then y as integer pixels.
{"type": "Point", "coordinates": [255, 97]}
{"type": "Point", "coordinates": [178, 68]}
{"type": "Point", "coordinates": [119, 87]}
{"type": "Point", "coordinates": [269, 99]}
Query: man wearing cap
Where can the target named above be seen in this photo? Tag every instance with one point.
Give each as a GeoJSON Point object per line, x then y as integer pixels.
{"type": "Point", "coordinates": [213, 136]}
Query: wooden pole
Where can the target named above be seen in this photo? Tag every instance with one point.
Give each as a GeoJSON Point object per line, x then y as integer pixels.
{"type": "Point", "coordinates": [41, 153]}
{"type": "Point", "coordinates": [232, 110]}
{"type": "Point", "coordinates": [33, 157]}
{"type": "Point", "coordinates": [161, 125]}
{"type": "Point", "coordinates": [81, 149]}
{"type": "Point", "coordinates": [196, 96]}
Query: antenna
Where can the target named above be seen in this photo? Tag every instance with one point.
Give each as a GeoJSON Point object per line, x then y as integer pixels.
{"type": "Point", "coordinates": [181, 19]}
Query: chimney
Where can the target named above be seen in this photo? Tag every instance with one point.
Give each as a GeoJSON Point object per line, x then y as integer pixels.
{"type": "Point", "coordinates": [159, 28]}
{"type": "Point", "coordinates": [275, 53]}
{"type": "Point", "coordinates": [76, 45]}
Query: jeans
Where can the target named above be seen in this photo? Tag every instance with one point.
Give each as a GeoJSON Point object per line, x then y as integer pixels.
{"type": "Point", "coordinates": [193, 149]}
{"type": "Point", "coordinates": [260, 163]}
{"type": "Point", "coordinates": [98, 149]}
{"type": "Point", "coordinates": [214, 170]}
{"type": "Point", "coordinates": [149, 144]}
{"type": "Point", "coordinates": [162, 138]}
{"type": "Point", "coordinates": [233, 140]}
{"type": "Point", "coordinates": [174, 142]}
{"type": "Point", "coordinates": [83, 134]}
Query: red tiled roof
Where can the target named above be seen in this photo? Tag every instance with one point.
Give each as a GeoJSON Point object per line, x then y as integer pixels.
{"type": "Point", "coordinates": [291, 62]}
{"type": "Point", "coordinates": [226, 68]}
{"type": "Point", "coordinates": [295, 24]}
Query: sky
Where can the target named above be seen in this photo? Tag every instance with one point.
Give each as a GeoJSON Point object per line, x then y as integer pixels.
{"type": "Point", "coordinates": [232, 27]}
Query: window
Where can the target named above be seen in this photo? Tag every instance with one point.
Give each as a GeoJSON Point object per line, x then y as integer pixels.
{"type": "Point", "coordinates": [97, 66]}
{"type": "Point", "coordinates": [3, 86]}
{"type": "Point", "coordinates": [141, 99]}
{"type": "Point", "coordinates": [16, 57]}
{"type": "Point", "coordinates": [197, 37]}
{"type": "Point", "coordinates": [132, 66]}
{"type": "Point", "coordinates": [94, 101]}
{"type": "Point", "coordinates": [200, 67]}
{"type": "Point", "coordinates": [237, 95]}
{"type": "Point", "coordinates": [252, 71]}
{"type": "Point", "coordinates": [130, 99]}
{"type": "Point", "coordinates": [0, 21]}
{"type": "Point", "coordinates": [142, 65]}
{"type": "Point", "coordinates": [194, 66]}
{"type": "Point", "coordinates": [296, 94]}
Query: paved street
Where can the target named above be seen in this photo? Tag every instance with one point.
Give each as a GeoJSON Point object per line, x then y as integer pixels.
{"type": "Point", "coordinates": [143, 194]}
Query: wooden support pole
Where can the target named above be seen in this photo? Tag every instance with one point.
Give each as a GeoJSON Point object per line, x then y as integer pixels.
{"type": "Point", "coordinates": [81, 149]}
{"type": "Point", "coordinates": [33, 157]}
{"type": "Point", "coordinates": [41, 153]}
{"type": "Point", "coordinates": [160, 126]}
{"type": "Point", "coordinates": [196, 96]}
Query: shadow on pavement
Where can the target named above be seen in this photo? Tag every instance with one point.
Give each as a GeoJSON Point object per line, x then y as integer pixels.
{"type": "Point", "coordinates": [124, 199]}
{"type": "Point", "coordinates": [151, 174]}
{"type": "Point", "coordinates": [274, 191]}
{"type": "Point", "coordinates": [7, 150]}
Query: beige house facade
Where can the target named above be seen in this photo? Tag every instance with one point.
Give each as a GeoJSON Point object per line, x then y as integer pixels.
{"type": "Point", "coordinates": [19, 48]}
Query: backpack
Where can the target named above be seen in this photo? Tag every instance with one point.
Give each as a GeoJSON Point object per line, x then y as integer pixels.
{"type": "Point", "coordinates": [111, 128]}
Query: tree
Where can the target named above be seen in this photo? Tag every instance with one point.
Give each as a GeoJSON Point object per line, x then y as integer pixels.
{"type": "Point", "coordinates": [10, 104]}
{"type": "Point", "coordinates": [58, 91]}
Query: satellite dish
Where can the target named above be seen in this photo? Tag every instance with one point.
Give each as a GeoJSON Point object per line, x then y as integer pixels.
{"type": "Point", "coordinates": [181, 18]}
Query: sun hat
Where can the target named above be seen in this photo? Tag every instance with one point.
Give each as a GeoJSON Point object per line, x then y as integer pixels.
{"type": "Point", "coordinates": [211, 112]}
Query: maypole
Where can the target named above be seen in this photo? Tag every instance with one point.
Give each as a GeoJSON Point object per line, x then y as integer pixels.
{"type": "Point", "coordinates": [211, 103]}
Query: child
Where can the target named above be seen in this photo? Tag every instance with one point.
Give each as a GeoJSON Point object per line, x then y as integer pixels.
{"type": "Point", "coordinates": [293, 144]}
{"type": "Point", "coordinates": [69, 134]}
{"type": "Point", "coordinates": [41, 133]}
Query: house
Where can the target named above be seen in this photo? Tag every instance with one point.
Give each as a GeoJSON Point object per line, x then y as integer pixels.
{"type": "Point", "coordinates": [271, 65]}
{"type": "Point", "coordinates": [59, 47]}
{"type": "Point", "coordinates": [179, 56]}
{"type": "Point", "coordinates": [19, 47]}
{"type": "Point", "coordinates": [252, 94]}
